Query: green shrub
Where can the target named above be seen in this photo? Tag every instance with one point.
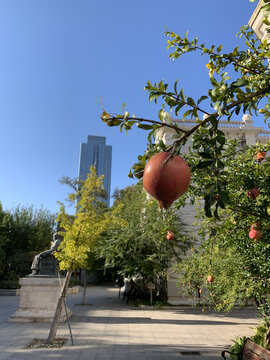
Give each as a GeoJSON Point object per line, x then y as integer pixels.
{"type": "Point", "coordinates": [9, 284]}
{"type": "Point", "coordinates": [258, 338]}
{"type": "Point", "coordinates": [237, 347]}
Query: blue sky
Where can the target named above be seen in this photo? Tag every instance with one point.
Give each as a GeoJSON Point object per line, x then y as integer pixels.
{"type": "Point", "coordinates": [59, 57]}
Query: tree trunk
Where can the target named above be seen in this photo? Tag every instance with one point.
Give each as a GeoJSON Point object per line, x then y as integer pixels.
{"type": "Point", "coordinates": [267, 336]}
{"type": "Point", "coordinates": [59, 307]}
{"type": "Point", "coordinates": [163, 289]}
{"type": "Point", "coordinates": [84, 286]}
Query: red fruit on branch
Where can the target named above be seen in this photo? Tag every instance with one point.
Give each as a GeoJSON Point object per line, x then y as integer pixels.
{"type": "Point", "coordinates": [253, 193]}
{"type": "Point", "coordinates": [255, 235]}
{"type": "Point", "coordinates": [166, 182]}
{"type": "Point", "coordinates": [255, 226]}
{"type": "Point", "coordinates": [260, 156]}
{"type": "Point", "coordinates": [170, 235]}
{"type": "Point", "coordinates": [210, 278]}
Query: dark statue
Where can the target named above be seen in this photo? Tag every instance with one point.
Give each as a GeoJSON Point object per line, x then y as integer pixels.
{"type": "Point", "coordinates": [45, 263]}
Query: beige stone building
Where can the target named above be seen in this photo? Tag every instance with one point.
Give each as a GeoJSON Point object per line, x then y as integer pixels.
{"type": "Point", "coordinates": [256, 22]}
{"type": "Point", "coordinates": [243, 130]}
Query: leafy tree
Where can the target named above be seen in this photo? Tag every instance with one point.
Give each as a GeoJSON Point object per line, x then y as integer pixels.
{"type": "Point", "coordinates": [24, 232]}
{"type": "Point", "coordinates": [80, 232]}
{"type": "Point", "coordinates": [239, 265]}
{"type": "Point", "coordinates": [141, 247]}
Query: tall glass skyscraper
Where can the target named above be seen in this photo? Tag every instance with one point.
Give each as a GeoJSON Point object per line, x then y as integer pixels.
{"type": "Point", "coordinates": [96, 152]}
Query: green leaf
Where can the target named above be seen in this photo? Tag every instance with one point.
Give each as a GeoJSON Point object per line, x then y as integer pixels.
{"type": "Point", "coordinates": [240, 82]}
{"type": "Point", "coordinates": [220, 137]}
{"type": "Point", "coordinates": [105, 116]}
{"type": "Point", "coordinates": [115, 122]}
{"type": "Point", "coordinates": [178, 108]}
{"type": "Point", "coordinates": [201, 99]}
{"type": "Point", "coordinates": [207, 205]}
{"type": "Point", "coordinates": [182, 95]}
{"type": "Point", "coordinates": [204, 164]}
{"type": "Point", "coordinates": [190, 101]}
{"type": "Point", "coordinates": [175, 86]}
{"type": "Point", "coordinates": [161, 115]}
{"type": "Point", "coordinates": [205, 155]}
{"type": "Point", "coordinates": [237, 109]}
{"type": "Point", "coordinates": [154, 96]}
{"type": "Point", "coordinates": [214, 121]}
{"type": "Point", "coordinates": [144, 126]}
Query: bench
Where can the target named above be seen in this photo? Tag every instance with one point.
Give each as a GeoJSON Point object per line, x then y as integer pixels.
{"type": "Point", "coordinates": [250, 351]}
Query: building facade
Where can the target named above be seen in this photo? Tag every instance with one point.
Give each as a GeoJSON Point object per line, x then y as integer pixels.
{"type": "Point", "coordinates": [244, 131]}
{"type": "Point", "coordinates": [96, 152]}
{"type": "Point", "coordinates": [256, 23]}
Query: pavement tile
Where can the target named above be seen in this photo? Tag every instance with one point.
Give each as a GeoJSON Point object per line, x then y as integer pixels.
{"type": "Point", "coordinates": [110, 330]}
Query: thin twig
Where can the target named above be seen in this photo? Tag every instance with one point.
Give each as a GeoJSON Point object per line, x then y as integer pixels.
{"type": "Point", "coordinates": [161, 124]}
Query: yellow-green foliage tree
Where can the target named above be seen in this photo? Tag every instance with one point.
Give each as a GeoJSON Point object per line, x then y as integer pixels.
{"type": "Point", "coordinates": [80, 232]}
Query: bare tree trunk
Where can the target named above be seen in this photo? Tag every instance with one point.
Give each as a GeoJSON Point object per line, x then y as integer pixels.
{"type": "Point", "coordinates": [267, 336]}
{"type": "Point", "coordinates": [84, 286]}
{"type": "Point", "coordinates": [58, 310]}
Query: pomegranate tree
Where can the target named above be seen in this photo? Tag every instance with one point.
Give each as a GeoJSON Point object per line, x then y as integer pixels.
{"type": "Point", "coordinates": [165, 180]}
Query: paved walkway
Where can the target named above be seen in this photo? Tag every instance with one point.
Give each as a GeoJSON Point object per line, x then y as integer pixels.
{"type": "Point", "coordinates": [108, 329]}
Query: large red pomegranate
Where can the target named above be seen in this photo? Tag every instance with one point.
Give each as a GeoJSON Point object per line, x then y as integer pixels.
{"type": "Point", "coordinates": [166, 182]}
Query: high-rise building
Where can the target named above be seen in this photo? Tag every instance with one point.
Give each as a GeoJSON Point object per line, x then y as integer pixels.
{"type": "Point", "coordinates": [96, 152]}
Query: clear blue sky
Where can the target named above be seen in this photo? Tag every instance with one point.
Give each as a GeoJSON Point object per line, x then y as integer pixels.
{"type": "Point", "coordinates": [59, 57]}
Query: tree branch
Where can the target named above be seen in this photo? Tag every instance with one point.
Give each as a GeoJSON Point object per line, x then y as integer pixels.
{"type": "Point", "coordinates": [139, 120]}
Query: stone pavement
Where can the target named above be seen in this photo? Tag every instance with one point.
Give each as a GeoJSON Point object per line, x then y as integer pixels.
{"type": "Point", "coordinates": [108, 329]}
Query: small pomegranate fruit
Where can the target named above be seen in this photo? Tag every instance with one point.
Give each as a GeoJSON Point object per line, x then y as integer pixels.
{"type": "Point", "coordinates": [255, 235]}
{"type": "Point", "coordinates": [166, 182]}
{"type": "Point", "coordinates": [170, 235]}
{"type": "Point", "coordinates": [255, 226]}
{"type": "Point", "coordinates": [210, 278]}
{"type": "Point", "coordinates": [260, 156]}
{"type": "Point", "coordinates": [253, 193]}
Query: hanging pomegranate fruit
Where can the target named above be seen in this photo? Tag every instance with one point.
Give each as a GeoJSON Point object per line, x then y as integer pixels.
{"type": "Point", "coordinates": [253, 193]}
{"type": "Point", "coordinates": [166, 182]}
{"type": "Point", "coordinates": [170, 235]}
{"type": "Point", "coordinates": [260, 156]}
{"type": "Point", "coordinates": [210, 278]}
{"type": "Point", "coordinates": [255, 235]}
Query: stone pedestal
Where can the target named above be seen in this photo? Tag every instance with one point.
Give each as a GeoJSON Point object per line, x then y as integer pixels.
{"type": "Point", "coordinates": [38, 300]}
